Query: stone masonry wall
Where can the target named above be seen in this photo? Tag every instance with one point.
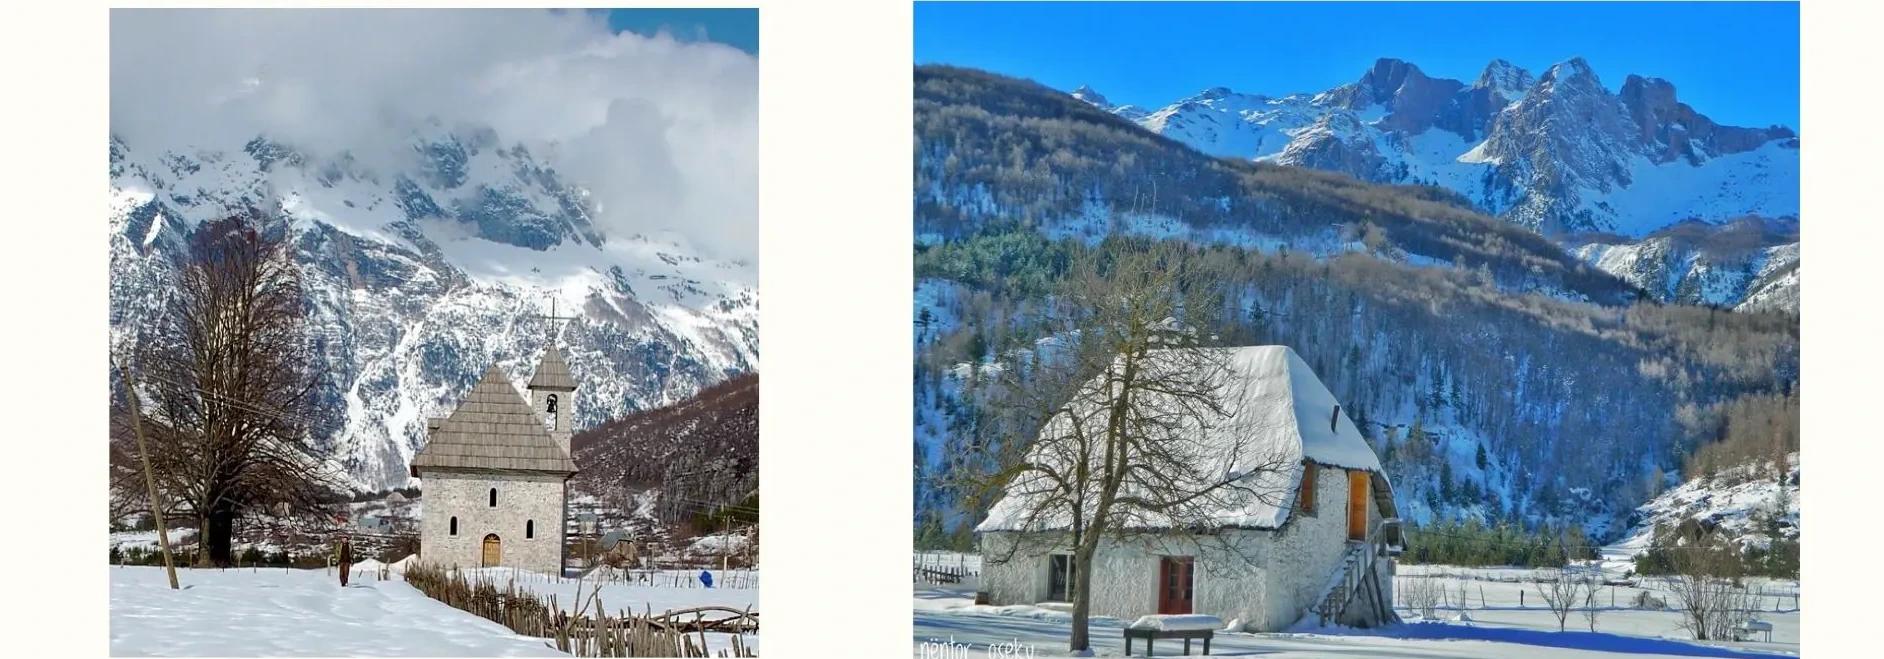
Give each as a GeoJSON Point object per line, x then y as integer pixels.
{"type": "Point", "coordinates": [520, 499]}
{"type": "Point", "coordinates": [1266, 579]}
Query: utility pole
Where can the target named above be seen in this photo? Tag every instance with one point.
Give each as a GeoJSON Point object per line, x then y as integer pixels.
{"type": "Point", "coordinates": [150, 478]}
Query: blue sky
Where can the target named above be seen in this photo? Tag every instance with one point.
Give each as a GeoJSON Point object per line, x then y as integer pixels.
{"type": "Point", "coordinates": [738, 28]}
{"type": "Point", "coordinates": [1738, 63]}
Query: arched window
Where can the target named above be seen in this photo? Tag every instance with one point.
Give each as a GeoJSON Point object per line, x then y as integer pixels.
{"type": "Point", "coordinates": [493, 497]}
{"type": "Point", "coordinates": [454, 525]}
{"type": "Point", "coordinates": [529, 528]}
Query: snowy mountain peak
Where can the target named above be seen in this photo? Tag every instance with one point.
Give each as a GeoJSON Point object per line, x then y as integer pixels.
{"type": "Point", "coordinates": [1088, 94]}
{"type": "Point", "coordinates": [1508, 81]}
{"type": "Point", "coordinates": [1558, 153]}
{"type": "Point", "coordinates": [1575, 68]}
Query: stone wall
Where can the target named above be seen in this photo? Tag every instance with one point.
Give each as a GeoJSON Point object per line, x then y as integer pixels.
{"type": "Point", "coordinates": [1265, 579]}
{"type": "Point", "coordinates": [520, 499]}
{"type": "Point", "coordinates": [1309, 549]}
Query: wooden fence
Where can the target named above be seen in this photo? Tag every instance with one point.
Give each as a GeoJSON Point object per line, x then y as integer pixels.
{"type": "Point", "coordinates": [938, 575]}
{"type": "Point", "coordinates": [732, 579]}
{"type": "Point", "coordinates": [669, 634]}
{"type": "Point", "coordinates": [935, 569]}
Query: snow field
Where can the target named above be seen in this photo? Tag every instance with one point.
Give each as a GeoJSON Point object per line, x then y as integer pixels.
{"type": "Point", "coordinates": [1506, 598]}
{"type": "Point", "coordinates": [276, 612]}
{"type": "Point", "coordinates": [1497, 625]}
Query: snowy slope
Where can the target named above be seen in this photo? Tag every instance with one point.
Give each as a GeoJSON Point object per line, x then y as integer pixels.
{"type": "Point", "coordinates": [418, 275]}
{"type": "Point", "coordinates": [1558, 152]}
{"type": "Point", "coordinates": [1734, 503]}
{"type": "Point", "coordinates": [1749, 264]}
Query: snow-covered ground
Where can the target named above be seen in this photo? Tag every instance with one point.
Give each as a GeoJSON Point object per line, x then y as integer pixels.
{"type": "Point", "coordinates": [1497, 625]}
{"type": "Point", "coordinates": [275, 612]}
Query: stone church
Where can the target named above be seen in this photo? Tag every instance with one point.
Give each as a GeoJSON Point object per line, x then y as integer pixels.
{"type": "Point", "coordinates": [496, 473]}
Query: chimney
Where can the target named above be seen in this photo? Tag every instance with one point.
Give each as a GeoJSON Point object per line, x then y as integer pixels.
{"type": "Point", "coordinates": [1335, 418]}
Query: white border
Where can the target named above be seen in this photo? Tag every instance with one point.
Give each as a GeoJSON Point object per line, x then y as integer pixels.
{"type": "Point", "coordinates": [835, 276]}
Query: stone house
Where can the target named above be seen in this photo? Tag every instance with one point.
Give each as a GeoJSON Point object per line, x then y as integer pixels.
{"type": "Point", "coordinates": [1319, 547]}
{"type": "Point", "coordinates": [495, 473]}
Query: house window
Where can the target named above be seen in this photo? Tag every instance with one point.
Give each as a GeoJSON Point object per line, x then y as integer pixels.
{"type": "Point", "coordinates": [493, 497]}
{"type": "Point", "coordinates": [1060, 578]}
{"type": "Point", "coordinates": [529, 528]}
{"type": "Point", "coordinates": [1305, 498]}
{"type": "Point", "coordinates": [454, 525]}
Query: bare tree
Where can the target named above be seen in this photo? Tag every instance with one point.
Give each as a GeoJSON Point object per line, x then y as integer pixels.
{"type": "Point", "coordinates": [1703, 587]}
{"type": "Point", "coordinates": [230, 384]}
{"type": "Point", "coordinates": [1560, 589]}
{"type": "Point", "coordinates": [1590, 608]}
{"type": "Point", "coordinates": [1136, 419]}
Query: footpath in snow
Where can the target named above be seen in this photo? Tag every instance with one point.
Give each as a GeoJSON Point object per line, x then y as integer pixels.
{"type": "Point", "coordinates": [276, 612]}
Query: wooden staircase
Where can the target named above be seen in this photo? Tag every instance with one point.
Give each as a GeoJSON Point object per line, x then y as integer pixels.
{"type": "Point", "coordinates": [1353, 597]}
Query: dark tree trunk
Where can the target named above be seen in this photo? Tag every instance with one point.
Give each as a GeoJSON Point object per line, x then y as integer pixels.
{"type": "Point", "coordinates": [1082, 600]}
{"type": "Point", "coordinates": [216, 544]}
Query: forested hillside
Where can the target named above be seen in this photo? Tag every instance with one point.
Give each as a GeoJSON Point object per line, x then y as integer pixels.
{"type": "Point", "coordinates": [997, 151]}
{"type": "Point", "coordinates": [1498, 376]}
{"type": "Point", "coordinates": [682, 459]}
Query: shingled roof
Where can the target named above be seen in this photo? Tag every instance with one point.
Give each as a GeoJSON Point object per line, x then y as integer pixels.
{"type": "Point", "coordinates": [493, 429]}
{"type": "Point", "coordinates": [552, 372]}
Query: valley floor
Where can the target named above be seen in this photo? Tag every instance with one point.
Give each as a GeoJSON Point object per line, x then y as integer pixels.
{"type": "Point", "coordinates": [1494, 624]}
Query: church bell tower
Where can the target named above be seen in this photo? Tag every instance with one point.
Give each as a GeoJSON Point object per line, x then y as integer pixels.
{"type": "Point", "coordinates": [553, 395]}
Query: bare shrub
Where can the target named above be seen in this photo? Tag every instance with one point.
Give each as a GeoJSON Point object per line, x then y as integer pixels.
{"type": "Point", "coordinates": [1422, 594]}
{"type": "Point", "coordinates": [1561, 589]}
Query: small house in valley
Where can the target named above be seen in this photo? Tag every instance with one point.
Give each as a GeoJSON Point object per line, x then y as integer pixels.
{"type": "Point", "coordinates": [1318, 544]}
{"type": "Point", "coordinates": [495, 473]}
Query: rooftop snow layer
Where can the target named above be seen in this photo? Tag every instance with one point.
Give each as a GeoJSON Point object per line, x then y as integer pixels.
{"type": "Point", "coordinates": [1277, 415]}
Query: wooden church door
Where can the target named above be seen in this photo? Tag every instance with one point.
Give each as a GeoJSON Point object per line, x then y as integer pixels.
{"type": "Point", "coordinates": [1174, 584]}
{"type": "Point", "coordinates": [493, 550]}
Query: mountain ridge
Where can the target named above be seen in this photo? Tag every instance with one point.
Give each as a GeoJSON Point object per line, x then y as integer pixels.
{"type": "Point", "coordinates": [1558, 152]}
{"type": "Point", "coordinates": [421, 273]}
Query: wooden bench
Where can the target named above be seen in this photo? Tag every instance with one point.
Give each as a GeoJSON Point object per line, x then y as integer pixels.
{"type": "Point", "coordinates": [1745, 630]}
{"type": "Point", "coordinates": [1152, 634]}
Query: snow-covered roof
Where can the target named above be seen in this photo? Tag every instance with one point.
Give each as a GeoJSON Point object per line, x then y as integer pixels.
{"type": "Point", "coordinates": [493, 429]}
{"type": "Point", "coordinates": [1277, 415]}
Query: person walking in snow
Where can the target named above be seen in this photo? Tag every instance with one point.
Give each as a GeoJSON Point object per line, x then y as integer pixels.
{"type": "Point", "coordinates": [346, 559]}
{"type": "Point", "coordinates": [706, 578]}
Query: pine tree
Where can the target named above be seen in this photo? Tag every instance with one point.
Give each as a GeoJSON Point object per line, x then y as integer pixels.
{"type": "Point", "coordinates": [1482, 461]}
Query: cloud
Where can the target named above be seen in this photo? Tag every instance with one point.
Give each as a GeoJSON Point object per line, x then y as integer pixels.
{"type": "Point", "coordinates": [663, 132]}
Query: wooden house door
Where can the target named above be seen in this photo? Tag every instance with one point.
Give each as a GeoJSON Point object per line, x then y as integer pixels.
{"type": "Point", "coordinates": [1357, 505]}
{"type": "Point", "coordinates": [1174, 584]}
{"type": "Point", "coordinates": [493, 550]}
